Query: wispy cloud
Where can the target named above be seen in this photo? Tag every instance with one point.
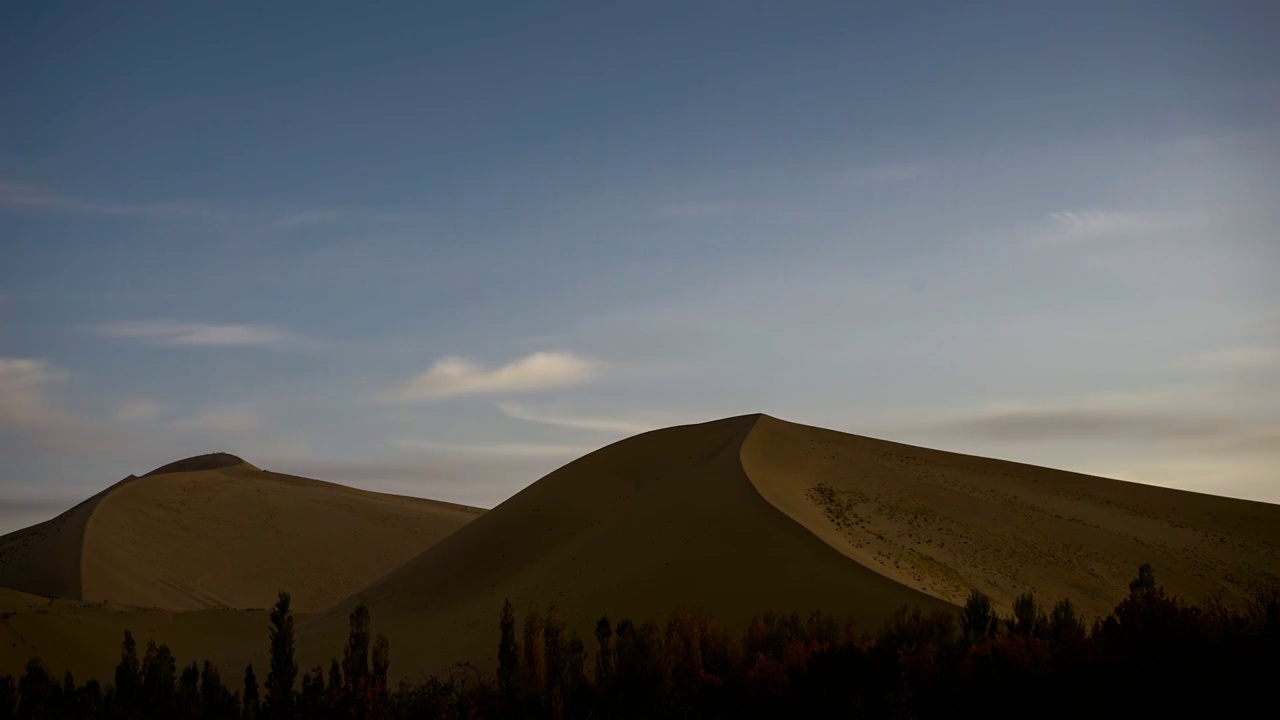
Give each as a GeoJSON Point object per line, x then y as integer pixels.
{"type": "Point", "coordinates": [23, 382]}
{"type": "Point", "coordinates": [454, 376]}
{"type": "Point", "coordinates": [890, 173]}
{"type": "Point", "coordinates": [34, 196]}
{"type": "Point", "coordinates": [1178, 415]}
{"type": "Point", "coordinates": [1242, 358]}
{"type": "Point", "coordinates": [138, 410]}
{"type": "Point", "coordinates": [1074, 423]}
{"type": "Point", "coordinates": [24, 195]}
{"type": "Point", "coordinates": [1085, 225]}
{"type": "Point", "coordinates": [723, 208]}
{"type": "Point", "coordinates": [166, 332]}
{"type": "Point", "coordinates": [498, 449]}
{"type": "Point", "coordinates": [579, 422]}
{"type": "Point", "coordinates": [27, 408]}
{"type": "Point", "coordinates": [222, 420]}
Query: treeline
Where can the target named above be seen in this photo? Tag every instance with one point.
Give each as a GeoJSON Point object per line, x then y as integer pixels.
{"type": "Point", "coordinates": [1152, 655]}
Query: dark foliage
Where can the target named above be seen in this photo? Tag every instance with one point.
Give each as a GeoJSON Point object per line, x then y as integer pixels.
{"type": "Point", "coordinates": [1154, 655]}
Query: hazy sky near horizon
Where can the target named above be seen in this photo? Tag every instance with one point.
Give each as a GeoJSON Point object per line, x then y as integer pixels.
{"type": "Point", "coordinates": [441, 251]}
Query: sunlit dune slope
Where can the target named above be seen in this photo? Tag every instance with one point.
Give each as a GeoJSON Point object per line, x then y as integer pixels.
{"type": "Point", "coordinates": [663, 519]}
{"type": "Point", "coordinates": [945, 523]}
{"type": "Point", "coordinates": [214, 531]}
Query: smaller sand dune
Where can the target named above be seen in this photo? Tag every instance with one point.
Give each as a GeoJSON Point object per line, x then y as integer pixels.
{"type": "Point", "coordinates": [216, 532]}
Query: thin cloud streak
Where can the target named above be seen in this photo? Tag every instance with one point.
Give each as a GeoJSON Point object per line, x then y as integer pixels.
{"type": "Point", "coordinates": [1181, 416]}
{"type": "Point", "coordinates": [1094, 224]}
{"type": "Point", "coordinates": [596, 424]}
{"type": "Point", "coordinates": [138, 410]}
{"type": "Point", "coordinates": [28, 196]}
{"type": "Point", "coordinates": [453, 376]}
{"type": "Point", "coordinates": [27, 409]}
{"type": "Point", "coordinates": [1241, 358]}
{"type": "Point", "coordinates": [891, 173]}
{"type": "Point", "coordinates": [222, 420]}
{"type": "Point", "coordinates": [500, 449]}
{"type": "Point", "coordinates": [194, 334]}
{"type": "Point", "coordinates": [1049, 424]}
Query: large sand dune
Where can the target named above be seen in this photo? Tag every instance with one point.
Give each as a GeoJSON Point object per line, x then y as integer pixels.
{"type": "Point", "coordinates": [664, 519]}
{"type": "Point", "coordinates": [749, 514]}
{"type": "Point", "coordinates": [216, 532]}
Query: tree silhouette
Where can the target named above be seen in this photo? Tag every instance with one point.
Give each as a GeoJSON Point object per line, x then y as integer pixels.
{"type": "Point", "coordinates": [335, 687]}
{"type": "Point", "coordinates": [1064, 624]}
{"type": "Point", "coordinates": [252, 706]}
{"type": "Point", "coordinates": [1145, 582]}
{"type": "Point", "coordinates": [284, 668]}
{"type": "Point", "coordinates": [534, 665]}
{"type": "Point", "coordinates": [1027, 620]}
{"type": "Point", "coordinates": [311, 700]}
{"type": "Point", "coordinates": [216, 700]}
{"type": "Point", "coordinates": [158, 674]}
{"type": "Point", "coordinates": [8, 697]}
{"type": "Point", "coordinates": [128, 672]}
{"type": "Point", "coordinates": [604, 650]}
{"type": "Point", "coordinates": [381, 663]}
{"type": "Point", "coordinates": [508, 650]}
{"type": "Point", "coordinates": [977, 620]}
{"type": "Point", "coordinates": [39, 695]}
{"type": "Point", "coordinates": [355, 657]}
{"type": "Point", "coordinates": [188, 698]}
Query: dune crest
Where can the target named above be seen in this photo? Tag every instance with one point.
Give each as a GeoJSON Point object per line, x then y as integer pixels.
{"type": "Point", "coordinates": [197, 463]}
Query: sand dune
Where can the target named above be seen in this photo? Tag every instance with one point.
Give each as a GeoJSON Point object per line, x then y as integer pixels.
{"type": "Point", "coordinates": [662, 519]}
{"type": "Point", "coordinates": [735, 516]}
{"type": "Point", "coordinates": [216, 532]}
{"type": "Point", "coordinates": [752, 513]}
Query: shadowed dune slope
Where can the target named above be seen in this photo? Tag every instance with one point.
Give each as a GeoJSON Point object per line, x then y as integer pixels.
{"type": "Point", "coordinates": [45, 559]}
{"type": "Point", "coordinates": [225, 535]}
{"type": "Point", "coordinates": [635, 529]}
{"type": "Point", "coordinates": [944, 523]}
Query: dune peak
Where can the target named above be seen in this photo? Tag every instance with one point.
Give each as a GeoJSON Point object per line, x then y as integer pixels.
{"type": "Point", "coordinates": [197, 463]}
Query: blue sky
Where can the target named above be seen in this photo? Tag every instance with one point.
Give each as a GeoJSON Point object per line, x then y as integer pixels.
{"type": "Point", "coordinates": [441, 251]}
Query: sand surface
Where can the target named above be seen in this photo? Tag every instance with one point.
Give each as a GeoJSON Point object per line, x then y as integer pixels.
{"type": "Point", "coordinates": [227, 537]}
{"type": "Point", "coordinates": [944, 523]}
{"type": "Point", "coordinates": [663, 519]}
{"type": "Point", "coordinates": [735, 516]}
